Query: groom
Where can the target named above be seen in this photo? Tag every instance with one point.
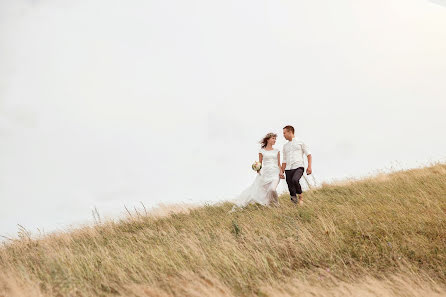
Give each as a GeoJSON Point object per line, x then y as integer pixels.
{"type": "Point", "coordinates": [293, 163]}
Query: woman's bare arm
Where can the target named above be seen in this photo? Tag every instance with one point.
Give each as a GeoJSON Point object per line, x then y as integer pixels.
{"type": "Point", "coordinates": [260, 160]}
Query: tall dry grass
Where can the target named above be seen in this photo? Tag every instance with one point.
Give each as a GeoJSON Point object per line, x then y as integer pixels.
{"type": "Point", "coordinates": [382, 236]}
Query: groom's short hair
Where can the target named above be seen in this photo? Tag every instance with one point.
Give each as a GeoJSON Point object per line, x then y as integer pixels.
{"type": "Point", "coordinates": [289, 128]}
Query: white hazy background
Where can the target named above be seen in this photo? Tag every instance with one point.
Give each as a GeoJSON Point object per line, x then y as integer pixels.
{"type": "Point", "coordinates": [108, 103]}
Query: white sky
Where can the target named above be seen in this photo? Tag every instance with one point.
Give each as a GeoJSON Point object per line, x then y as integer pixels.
{"type": "Point", "coordinates": [108, 103]}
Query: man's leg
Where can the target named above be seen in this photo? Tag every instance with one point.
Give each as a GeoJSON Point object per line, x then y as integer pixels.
{"type": "Point", "coordinates": [291, 185]}
{"type": "Point", "coordinates": [296, 177]}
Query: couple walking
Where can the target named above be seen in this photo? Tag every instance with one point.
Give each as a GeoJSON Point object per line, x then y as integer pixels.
{"type": "Point", "coordinates": [263, 189]}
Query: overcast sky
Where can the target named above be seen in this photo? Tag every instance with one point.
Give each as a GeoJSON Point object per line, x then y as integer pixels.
{"type": "Point", "coordinates": [107, 103]}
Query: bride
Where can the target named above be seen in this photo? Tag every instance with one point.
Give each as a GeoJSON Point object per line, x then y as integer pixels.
{"type": "Point", "coordinates": [263, 189]}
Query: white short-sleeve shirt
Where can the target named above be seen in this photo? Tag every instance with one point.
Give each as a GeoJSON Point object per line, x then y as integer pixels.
{"type": "Point", "coordinates": [293, 153]}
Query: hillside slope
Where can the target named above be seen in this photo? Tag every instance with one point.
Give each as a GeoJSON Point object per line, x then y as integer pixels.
{"type": "Point", "coordinates": [381, 236]}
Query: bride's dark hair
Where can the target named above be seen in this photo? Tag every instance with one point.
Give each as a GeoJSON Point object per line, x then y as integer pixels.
{"type": "Point", "coordinates": [265, 139]}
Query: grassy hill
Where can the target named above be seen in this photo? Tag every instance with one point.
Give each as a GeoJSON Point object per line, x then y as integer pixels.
{"type": "Point", "coordinates": [381, 236]}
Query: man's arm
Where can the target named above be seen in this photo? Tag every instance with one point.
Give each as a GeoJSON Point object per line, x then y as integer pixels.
{"type": "Point", "coordinates": [307, 152]}
{"type": "Point", "coordinates": [310, 162]}
{"type": "Point", "coordinates": [282, 169]}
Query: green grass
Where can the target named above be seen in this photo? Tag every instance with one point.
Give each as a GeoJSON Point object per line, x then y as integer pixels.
{"type": "Point", "coordinates": [374, 229]}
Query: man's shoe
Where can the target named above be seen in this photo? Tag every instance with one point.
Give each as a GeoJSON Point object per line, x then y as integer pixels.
{"type": "Point", "coordinates": [294, 199]}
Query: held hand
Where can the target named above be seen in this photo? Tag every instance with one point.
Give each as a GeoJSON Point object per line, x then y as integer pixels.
{"type": "Point", "coordinates": [309, 170]}
{"type": "Point", "coordinates": [281, 175]}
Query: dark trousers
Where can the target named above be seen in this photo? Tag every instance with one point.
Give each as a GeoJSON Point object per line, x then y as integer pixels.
{"type": "Point", "coordinates": [292, 179]}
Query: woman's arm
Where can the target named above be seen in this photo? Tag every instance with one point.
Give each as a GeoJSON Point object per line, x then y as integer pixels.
{"type": "Point", "coordinates": [260, 160]}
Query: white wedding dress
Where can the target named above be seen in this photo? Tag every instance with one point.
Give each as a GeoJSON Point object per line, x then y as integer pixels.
{"type": "Point", "coordinates": [263, 189]}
